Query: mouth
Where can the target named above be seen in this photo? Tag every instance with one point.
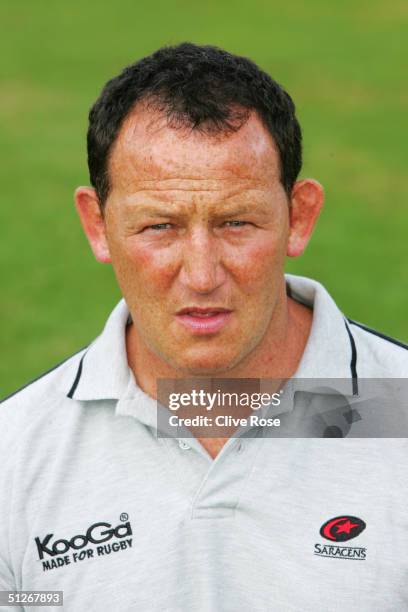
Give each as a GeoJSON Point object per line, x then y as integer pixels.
{"type": "Point", "coordinates": [202, 321]}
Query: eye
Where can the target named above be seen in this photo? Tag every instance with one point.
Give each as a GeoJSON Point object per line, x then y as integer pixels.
{"type": "Point", "coordinates": [235, 223]}
{"type": "Point", "coordinates": [159, 226]}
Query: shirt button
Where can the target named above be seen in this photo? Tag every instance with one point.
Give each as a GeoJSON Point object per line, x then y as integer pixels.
{"type": "Point", "coordinates": [183, 445]}
{"type": "Point", "coordinates": [240, 446]}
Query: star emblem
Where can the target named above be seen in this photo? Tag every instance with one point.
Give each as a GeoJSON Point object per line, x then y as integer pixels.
{"type": "Point", "coordinates": [346, 527]}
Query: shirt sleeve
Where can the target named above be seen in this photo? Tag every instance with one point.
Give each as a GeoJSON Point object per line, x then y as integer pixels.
{"type": "Point", "coordinates": [7, 584]}
{"type": "Point", "coordinates": [7, 578]}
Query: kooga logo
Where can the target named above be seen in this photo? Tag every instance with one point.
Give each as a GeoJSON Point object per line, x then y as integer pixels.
{"type": "Point", "coordinates": [95, 534]}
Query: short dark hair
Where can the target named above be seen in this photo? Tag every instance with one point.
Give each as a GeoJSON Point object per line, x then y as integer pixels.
{"type": "Point", "coordinates": [203, 87]}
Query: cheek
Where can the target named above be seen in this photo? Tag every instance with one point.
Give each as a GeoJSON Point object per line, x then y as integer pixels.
{"type": "Point", "coordinates": [257, 262]}
{"type": "Point", "coordinates": [150, 268]}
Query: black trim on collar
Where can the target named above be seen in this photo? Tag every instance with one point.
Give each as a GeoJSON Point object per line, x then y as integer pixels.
{"type": "Point", "coordinates": [72, 390]}
{"type": "Point", "coordinates": [379, 334]}
{"type": "Point", "coordinates": [353, 362]}
{"type": "Point", "coordinates": [31, 382]}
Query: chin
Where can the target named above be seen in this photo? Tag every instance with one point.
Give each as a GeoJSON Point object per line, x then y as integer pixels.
{"type": "Point", "coordinates": [209, 364]}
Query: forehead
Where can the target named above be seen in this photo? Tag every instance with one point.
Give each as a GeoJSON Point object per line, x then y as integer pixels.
{"type": "Point", "coordinates": [148, 151]}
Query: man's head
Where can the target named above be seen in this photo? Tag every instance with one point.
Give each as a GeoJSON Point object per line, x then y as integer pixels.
{"type": "Point", "coordinates": [201, 87]}
{"type": "Point", "coordinates": [193, 155]}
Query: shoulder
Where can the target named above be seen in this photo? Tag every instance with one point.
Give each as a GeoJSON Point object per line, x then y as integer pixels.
{"type": "Point", "coordinates": [36, 399]}
{"type": "Point", "coordinates": [377, 353]}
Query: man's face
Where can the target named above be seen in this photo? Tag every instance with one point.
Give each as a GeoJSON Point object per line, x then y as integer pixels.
{"type": "Point", "coordinates": [196, 222]}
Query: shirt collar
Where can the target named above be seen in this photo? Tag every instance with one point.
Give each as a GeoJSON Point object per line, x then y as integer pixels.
{"type": "Point", "coordinates": [330, 351]}
{"type": "Point", "coordinates": [328, 365]}
{"type": "Point", "coordinates": [103, 372]}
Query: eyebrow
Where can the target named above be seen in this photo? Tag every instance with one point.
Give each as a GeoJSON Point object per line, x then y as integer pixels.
{"type": "Point", "coordinates": [170, 210]}
{"type": "Point", "coordinates": [162, 208]}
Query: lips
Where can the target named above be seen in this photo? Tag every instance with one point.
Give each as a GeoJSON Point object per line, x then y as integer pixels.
{"type": "Point", "coordinates": [201, 321]}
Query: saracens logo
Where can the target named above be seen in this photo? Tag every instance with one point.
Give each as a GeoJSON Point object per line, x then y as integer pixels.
{"type": "Point", "coordinates": [342, 528]}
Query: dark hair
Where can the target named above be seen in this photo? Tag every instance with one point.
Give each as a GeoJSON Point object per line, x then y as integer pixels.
{"type": "Point", "coordinates": [203, 87]}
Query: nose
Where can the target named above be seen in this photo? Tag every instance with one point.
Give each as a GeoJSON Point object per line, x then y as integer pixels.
{"type": "Point", "coordinates": [202, 270]}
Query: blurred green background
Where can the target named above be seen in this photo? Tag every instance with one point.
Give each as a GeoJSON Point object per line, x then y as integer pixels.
{"type": "Point", "coordinates": [343, 63]}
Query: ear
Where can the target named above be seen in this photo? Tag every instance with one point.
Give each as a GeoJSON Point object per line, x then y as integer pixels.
{"type": "Point", "coordinates": [89, 210]}
{"type": "Point", "coordinates": [305, 205]}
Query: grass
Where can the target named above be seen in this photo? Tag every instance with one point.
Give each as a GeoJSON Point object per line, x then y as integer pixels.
{"type": "Point", "coordinates": [344, 66]}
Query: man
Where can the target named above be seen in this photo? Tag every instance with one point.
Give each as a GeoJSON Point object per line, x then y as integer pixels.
{"type": "Point", "coordinates": [194, 156]}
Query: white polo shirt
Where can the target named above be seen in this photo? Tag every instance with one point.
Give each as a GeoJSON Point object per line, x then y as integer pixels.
{"type": "Point", "coordinates": [94, 503]}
